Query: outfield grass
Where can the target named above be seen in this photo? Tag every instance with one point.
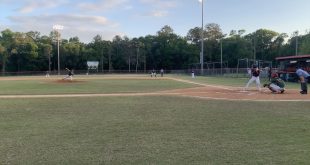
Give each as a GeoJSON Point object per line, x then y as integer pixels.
{"type": "Point", "coordinates": [153, 130]}
{"type": "Point", "coordinates": [89, 86]}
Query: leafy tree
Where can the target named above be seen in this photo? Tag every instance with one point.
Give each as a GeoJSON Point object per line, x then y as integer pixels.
{"type": "Point", "coordinates": [278, 45]}
{"type": "Point", "coordinates": [24, 51]}
{"type": "Point", "coordinates": [100, 51]}
{"type": "Point", "coordinates": [263, 40]}
{"type": "Point", "coordinates": [213, 35]}
{"type": "Point", "coordinates": [30, 51]}
{"type": "Point", "coordinates": [305, 44]}
{"type": "Point", "coordinates": [213, 31]}
{"type": "Point", "coordinates": [7, 46]}
{"type": "Point", "coordinates": [136, 45]}
{"type": "Point", "coordinates": [45, 53]}
{"type": "Point", "coordinates": [71, 54]}
{"type": "Point", "coordinates": [194, 35]}
{"type": "Point", "coordinates": [2, 51]}
{"type": "Point", "coordinates": [165, 31]}
{"type": "Point", "coordinates": [118, 53]}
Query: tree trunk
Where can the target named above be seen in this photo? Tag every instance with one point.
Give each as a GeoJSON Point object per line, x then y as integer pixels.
{"type": "Point", "coordinates": [129, 62]}
{"type": "Point", "coordinates": [137, 59]}
{"type": "Point", "coordinates": [144, 63]}
{"type": "Point", "coordinates": [3, 65]}
{"type": "Point", "coordinates": [49, 63]}
{"type": "Point", "coordinates": [110, 65]}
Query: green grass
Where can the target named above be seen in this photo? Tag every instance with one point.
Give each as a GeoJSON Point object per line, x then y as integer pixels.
{"type": "Point", "coordinates": [153, 130]}
{"type": "Point", "coordinates": [149, 129]}
{"type": "Point", "coordinates": [88, 86]}
{"type": "Point", "coordinates": [100, 85]}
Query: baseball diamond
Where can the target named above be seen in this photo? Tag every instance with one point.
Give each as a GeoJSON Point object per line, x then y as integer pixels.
{"type": "Point", "coordinates": [205, 90]}
{"type": "Point", "coordinates": [136, 118]}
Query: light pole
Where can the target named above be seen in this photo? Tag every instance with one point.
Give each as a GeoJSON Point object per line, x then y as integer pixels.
{"type": "Point", "coordinates": [221, 43]}
{"type": "Point", "coordinates": [221, 56]}
{"type": "Point", "coordinates": [57, 28]}
{"type": "Point", "coordinates": [296, 47]}
{"type": "Point", "coordinates": [201, 52]}
{"type": "Point", "coordinates": [254, 47]}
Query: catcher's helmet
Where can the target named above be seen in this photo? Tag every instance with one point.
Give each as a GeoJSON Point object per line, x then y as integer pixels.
{"type": "Point", "coordinates": [274, 75]}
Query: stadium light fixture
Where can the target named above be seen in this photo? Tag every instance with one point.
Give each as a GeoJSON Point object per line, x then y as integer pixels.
{"type": "Point", "coordinates": [296, 46]}
{"type": "Point", "coordinates": [58, 28]}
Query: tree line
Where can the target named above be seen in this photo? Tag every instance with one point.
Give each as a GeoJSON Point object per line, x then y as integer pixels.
{"type": "Point", "coordinates": [32, 51]}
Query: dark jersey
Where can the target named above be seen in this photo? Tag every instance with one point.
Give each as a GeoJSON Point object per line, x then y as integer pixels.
{"type": "Point", "coordinates": [255, 72]}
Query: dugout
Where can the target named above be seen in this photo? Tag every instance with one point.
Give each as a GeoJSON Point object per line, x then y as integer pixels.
{"type": "Point", "coordinates": [286, 66]}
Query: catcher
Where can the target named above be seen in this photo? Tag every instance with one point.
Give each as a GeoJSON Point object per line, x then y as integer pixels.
{"type": "Point", "coordinates": [276, 84]}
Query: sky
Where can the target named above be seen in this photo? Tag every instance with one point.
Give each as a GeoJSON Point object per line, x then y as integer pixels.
{"type": "Point", "coordinates": [135, 18]}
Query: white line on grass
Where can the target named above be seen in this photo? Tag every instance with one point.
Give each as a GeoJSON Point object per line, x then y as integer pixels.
{"type": "Point", "coordinates": [202, 84]}
{"type": "Point", "coordinates": [139, 94]}
{"type": "Point", "coordinates": [229, 99]}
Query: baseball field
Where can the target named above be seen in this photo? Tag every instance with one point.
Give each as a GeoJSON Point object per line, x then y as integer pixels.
{"type": "Point", "coordinates": [136, 119]}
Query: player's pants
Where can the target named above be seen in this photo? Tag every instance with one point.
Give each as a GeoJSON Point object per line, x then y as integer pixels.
{"type": "Point", "coordinates": [303, 85]}
{"type": "Point", "coordinates": [256, 79]}
{"type": "Point", "coordinates": [68, 77]}
{"type": "Point", "coordinates": [275, 88]}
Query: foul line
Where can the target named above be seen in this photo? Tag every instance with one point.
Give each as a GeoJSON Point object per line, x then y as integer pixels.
{"type": "Point", "coordinates": [141, 94]}
{"type": "Point", "coordinates": [202, 84]}
{"type": "Point", "coordinates": [228, 99]}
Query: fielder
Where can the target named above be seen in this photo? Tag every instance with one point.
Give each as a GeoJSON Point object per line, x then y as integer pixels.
{"type": "Point", "coordinates": [70, 75]}
{"type": "Point", "coordinates": [153, 73]}
{"type": "Point", "coordinates": [47, 74]}
{"type": "Point", "coordinates": [193, 74]}
{"type": "Point", "coordinates": [161, 72]}
{"type": "Point", "coordinates": [276, 84]}
{"type": "Point", "coordinates": [255, 77]}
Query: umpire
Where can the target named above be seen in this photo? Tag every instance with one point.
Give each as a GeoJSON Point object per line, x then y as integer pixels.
{"type": "Point", "coordinates": [303, 77]}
